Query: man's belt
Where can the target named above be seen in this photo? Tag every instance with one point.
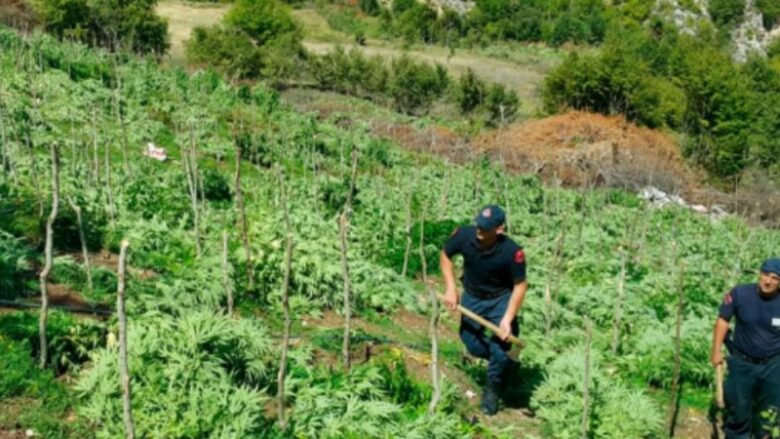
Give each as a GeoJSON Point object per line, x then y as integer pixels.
{"type": "Point", "coordinates": [754, 360]}
{"type": "Point", "coordinates": [488, 296]}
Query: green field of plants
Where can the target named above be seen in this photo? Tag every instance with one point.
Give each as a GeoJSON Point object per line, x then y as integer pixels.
{"type": "Point", "coordinates": [640, 275]}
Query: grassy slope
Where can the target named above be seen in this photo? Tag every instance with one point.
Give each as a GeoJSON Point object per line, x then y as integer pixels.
{"type": "Point", "coordinates": [520, 67]}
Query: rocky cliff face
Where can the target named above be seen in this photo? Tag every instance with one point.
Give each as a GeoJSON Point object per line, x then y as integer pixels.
{"type": "Point", "coordinates": [750, 37]}
{"type": "Point", "coordinates": [687, 21]}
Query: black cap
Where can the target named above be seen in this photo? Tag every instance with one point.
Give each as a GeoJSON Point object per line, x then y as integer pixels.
{"type": "Point", "coordinates": [771, 265]}
{"type": "Point", "coordinates": [490, 217]}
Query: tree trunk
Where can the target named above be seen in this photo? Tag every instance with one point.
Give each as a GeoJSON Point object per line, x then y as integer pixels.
{"type": "Point", "coordinates": [250, 270]}
{"type": "Point", "coordinates": [586, 382]}
{"type": "Point", "coordinates": [124, 372]}
{"type": "Point", "coordinates": [82, 238]}
{"type": "Point", "coordinates": [226, 274]}
{"type": "Point", "coordinates": [344, 235]}
{"type": "Point", "coordinates": [44, 276]}
{"type": "Point", "coordinates": [285, 304]}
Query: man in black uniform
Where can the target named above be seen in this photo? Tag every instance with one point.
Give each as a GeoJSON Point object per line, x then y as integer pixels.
{"type": "Point", "coordinates": [754, 360]}
{"type": "Point", "coordinates": [494, 286]}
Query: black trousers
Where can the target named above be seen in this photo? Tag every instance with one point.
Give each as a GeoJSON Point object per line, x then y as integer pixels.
{"type": "Point", "coordinates": [750, 390]}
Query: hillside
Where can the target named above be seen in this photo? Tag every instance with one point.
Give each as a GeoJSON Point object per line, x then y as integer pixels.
{"type": "Point", "coordinates": [592, 254]}
{"type": "Point", "coordinates": [284, 175]}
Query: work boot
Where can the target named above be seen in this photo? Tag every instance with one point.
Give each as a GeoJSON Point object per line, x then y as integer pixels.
{"type": "Point", "coordinates": [490, 399]}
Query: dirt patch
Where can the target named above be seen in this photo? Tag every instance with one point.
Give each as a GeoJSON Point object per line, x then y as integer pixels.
{"type": "Point", "coordinates": [183, 17]}
{"type": "Point", "coordinates": [693, 424]}
{"type": "Point", "coordinates": [62, 295]}
{"type": "Point", "coordinates": [17, 14]}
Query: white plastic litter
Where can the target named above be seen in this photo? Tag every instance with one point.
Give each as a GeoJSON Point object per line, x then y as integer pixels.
{"type": "Point", "coordinates": [470, 394]}
{"type": "Point", "coordinates": [155, 152]}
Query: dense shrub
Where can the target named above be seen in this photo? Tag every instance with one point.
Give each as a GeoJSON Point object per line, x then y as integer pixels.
{"type": "Point", "coordinates": [228, 50]}
{"type": "Point", "coordinates": [257, 38]}
{"type": "Point", "coordinates": [727, 13]}
{"type": "Point", "coordinates": [263, 20]}
{"type": "Point", "coordinates": [111, 23]}
{"type": "Point", "coordinates": [414, 86]}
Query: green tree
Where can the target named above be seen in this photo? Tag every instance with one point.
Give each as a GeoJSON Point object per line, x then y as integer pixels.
{"type": "Point", "coordinates": [229, 50]}
{"type": "Point", "coordinates": [263, 20]}
{"type": "Point", "coordinates": [414, 86]}
{"type": "Point", "coordinates": [470, 92]}
{"type": "Point", "coordinates": [727, 13]}
{"type": "Point", "coordinates": [116, 24]}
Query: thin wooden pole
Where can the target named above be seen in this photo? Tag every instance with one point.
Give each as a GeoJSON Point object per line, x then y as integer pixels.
{"type": "Point", "coordinates": [434, 322]}
{"type": "Point", "coordinates": [124, 371]}
{"type": "Point", "coordinates": [226, 274]}
{"type": "Point", "coordinates": [617, 322]}
{"type": "Point", "coordinates": [48, 249]}
{"type": "Point", "coordinates": [344, 235]}
{"type": "Point", "coordinates": [84, 251]}
{"type": "Point", "coordinates": [586, 381]}
{"type": "Point", "coordinates": [285, 303]}
{"type": "Point", "coordinates": [250, 269]}
{"type": "Point", "coordinates": [675, 390]}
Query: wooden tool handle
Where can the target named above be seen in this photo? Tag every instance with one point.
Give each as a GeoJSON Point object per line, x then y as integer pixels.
{"type": "Point", "coordinates": [470, 314]}
{"type": "Point", "coordinates": [719, 386]}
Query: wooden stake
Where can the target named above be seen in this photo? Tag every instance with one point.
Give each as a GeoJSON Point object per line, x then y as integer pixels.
{"type": "Point", "coordinates": [84, 251]}
{"type": "Point", "coordinates": [192, 181]}
{"type": "Point", "coordinates": [48, 249]}
{"type": "Point", "coordinates": [250, 269]}
{"type": "Point", "coordinates": [586, 382]}
{"type": "Point", "coordinates": [434, 322]}
{"type": "Point", "coordinates": [344, 235]}
{"type": "Point", "coordinates": [408, 249]}
{"type": "Point", "coordinates": [675, 391]}
{"type": "Point", "coordinates": [619, 303]}
{"type": "Point", "coordinates": [124, 372]}
{"type": "Point", "coordinates": [226, 274]}
{"type": "Point", "coordinates": [285, 304]}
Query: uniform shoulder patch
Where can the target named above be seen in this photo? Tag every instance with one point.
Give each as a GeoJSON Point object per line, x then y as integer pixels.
{"type": "Point", "coordinates": [728, 299]}
{"type": "Point", "coordinates": [455, 232]}
{"type": "Point", "coordinates": [519, 256]}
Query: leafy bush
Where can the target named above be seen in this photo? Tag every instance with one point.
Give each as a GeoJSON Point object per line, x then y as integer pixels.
{"type": "Point", "coordinates": [501, 104]}
{"type": "Point", "coordinates": [617, 81]}
{"type": "Point", "coordinates": [470, 92]}
{"type": "Point", "coordinates": [263, 20]}
{"type": "Point", "coordinates": [70, 341]}
{"type": "Point", "coordinates": [227, 49]}
{"type": "Point", "coordinates": [331, 404]}
{"type": "Point", "coordinates": [196, 374]}
{"type": "Point", "coordinates": [256, 38]}
{"type": "Point", "coordinates": [727, 13]}
{"type": "Point", "coordinates": [216, 186]}
{"type": "Point", "coordinates": [559, 400]}
{"type": "Point", "coordinates": [14, 263]}
{"type": "Point", "coordinates": [415, 86]}
{"type": "Point", "coordinates": [370, 7]}
{"type": "Point", "coordinates": [110, 23]}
